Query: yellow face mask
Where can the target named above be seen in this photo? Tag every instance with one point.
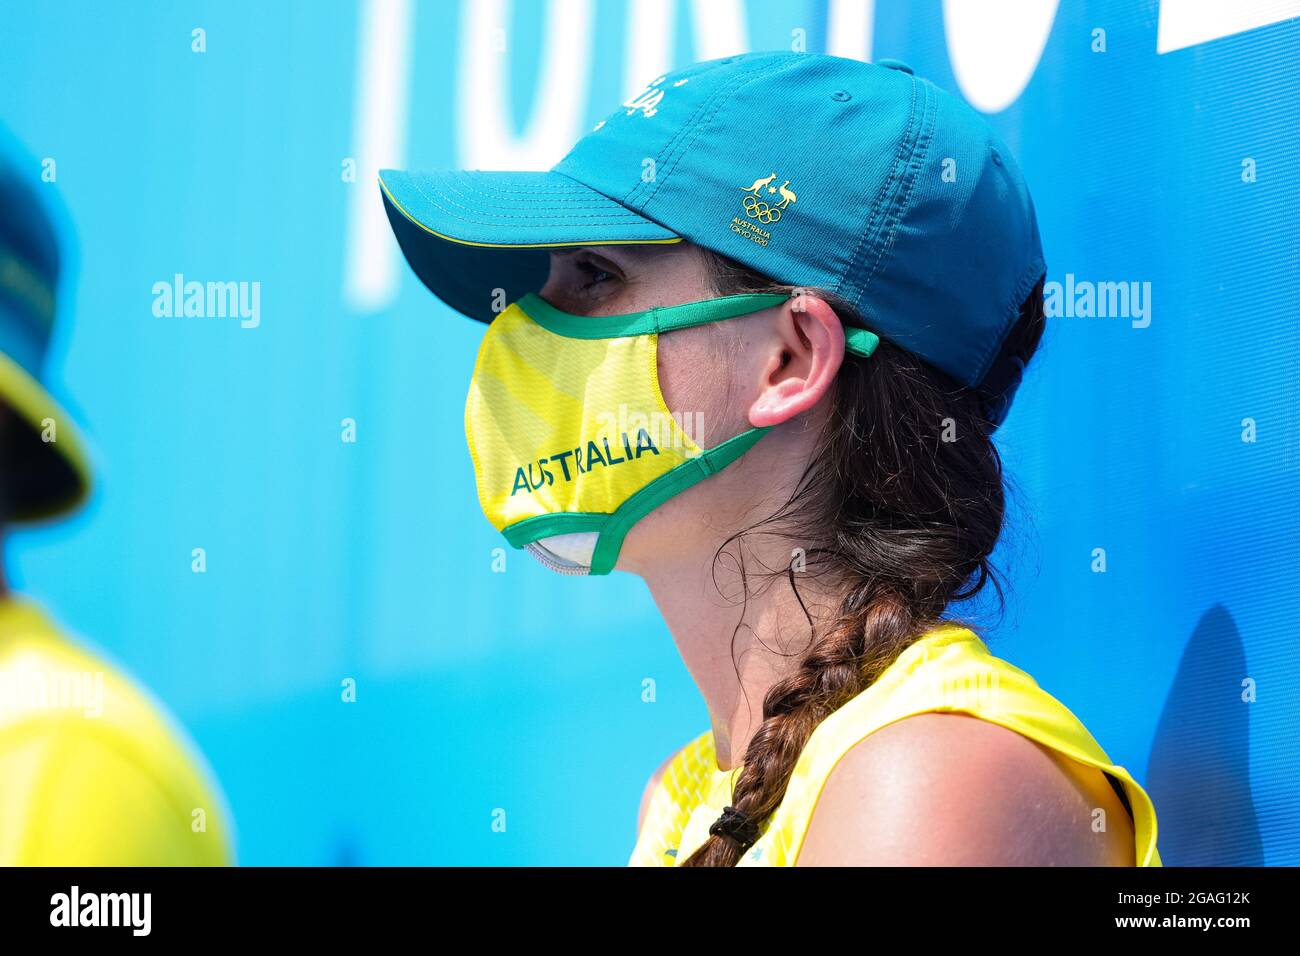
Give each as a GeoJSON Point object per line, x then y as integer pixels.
{"type": "Point", "coordinates": [571, 440]}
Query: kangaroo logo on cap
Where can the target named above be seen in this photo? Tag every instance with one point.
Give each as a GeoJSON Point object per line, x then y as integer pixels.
{"type": "Point", "coordinates": [758, 208]}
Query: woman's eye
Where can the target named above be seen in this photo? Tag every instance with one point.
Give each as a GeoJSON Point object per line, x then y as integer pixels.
{"type": "Point", "coordinates": [593, 275]}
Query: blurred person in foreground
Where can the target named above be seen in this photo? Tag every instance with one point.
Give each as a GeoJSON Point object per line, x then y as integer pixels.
{"type": "Point", "coordinates": [93, 770]}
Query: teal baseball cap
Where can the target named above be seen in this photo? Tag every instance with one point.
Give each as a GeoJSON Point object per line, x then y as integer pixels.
{"type": "Point", "coordinates": [819, 171]}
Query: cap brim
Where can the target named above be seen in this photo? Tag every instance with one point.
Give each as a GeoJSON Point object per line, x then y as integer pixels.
{"type": "Point", "coordinates": [469, 233]}
{"type": "Point", "coordinates": [54, 476]}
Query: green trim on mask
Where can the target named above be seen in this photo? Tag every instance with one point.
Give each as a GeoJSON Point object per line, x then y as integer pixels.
{"type": "Point", "coordinates": [649, 322]}
{"type": "Point", "coordinates": [543, 526]}
{"type": "Point", "coordinates": [613, 528]}
{"type": "Point", "coordinates": [661, 489]}
{"type": "Point", "coordinates": [860, 341]}
{"type": "Point", "coordinates": [669, 317]}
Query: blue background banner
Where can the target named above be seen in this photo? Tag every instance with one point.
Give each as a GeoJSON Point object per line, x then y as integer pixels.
{"type": "Point", "coordinates": [1160, 141]}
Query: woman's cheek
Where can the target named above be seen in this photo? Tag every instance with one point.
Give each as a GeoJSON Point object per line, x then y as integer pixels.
{"type": "Point", "coordinates": [695, 380]}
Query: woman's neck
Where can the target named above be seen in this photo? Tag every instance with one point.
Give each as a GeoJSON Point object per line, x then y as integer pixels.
{"type": "Point", "coordinates": [737, 647]}
{"type": "Point", "coordinates": [768, 646]}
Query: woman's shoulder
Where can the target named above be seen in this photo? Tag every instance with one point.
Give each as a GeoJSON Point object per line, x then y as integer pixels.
{"type": "Point", "coordinates": [948, 709]}
{"type": "Point", "coordinates": [949, 789]}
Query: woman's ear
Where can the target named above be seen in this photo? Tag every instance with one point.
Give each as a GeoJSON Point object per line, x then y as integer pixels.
{"type": "Point", "coordinates": [801, 352]}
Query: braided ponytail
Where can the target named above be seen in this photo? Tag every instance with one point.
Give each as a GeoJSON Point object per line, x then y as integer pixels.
{"type": "Point", "coordinates": [900, 510]}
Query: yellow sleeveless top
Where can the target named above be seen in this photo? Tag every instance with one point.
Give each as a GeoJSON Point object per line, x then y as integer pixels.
{"type": "Point", "coordinates": [947, 669]}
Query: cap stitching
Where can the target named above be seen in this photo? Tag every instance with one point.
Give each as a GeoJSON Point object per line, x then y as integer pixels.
{"type": "Point", "coordinates": [878, 209]}
{"type": "Point", "coordinates": [666, 155]}
{"type": "Point", "coordinates": [490, 183]}
{"type": "Point", "coordinates": [915, 161]}
{"type": "Point", "coordinates": [691, 131]}
{"type": "Point", "coordinates": [498, 189]}
{"type": "Point", "coordinates": [537, 179]}
{"type": "Point", "coordinates": [451, 207]}
{"type": "Point", "coordinates": [666, 152]}
{"type": "Point", "coordinates": [445, 200]}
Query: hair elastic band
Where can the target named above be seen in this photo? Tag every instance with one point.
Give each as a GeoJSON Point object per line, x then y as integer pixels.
{"type": "Point", "coordinates": [736, 827]}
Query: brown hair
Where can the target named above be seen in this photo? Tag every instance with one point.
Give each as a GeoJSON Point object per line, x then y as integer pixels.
{"type": "Point", "coordinates": [899, 508]}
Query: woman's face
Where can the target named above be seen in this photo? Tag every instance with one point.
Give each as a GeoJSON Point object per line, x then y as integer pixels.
{"type": "Point", "coordinates": [700, 368]}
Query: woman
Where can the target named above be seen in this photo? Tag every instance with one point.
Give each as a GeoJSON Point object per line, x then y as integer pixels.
{"type": "Point", "coordinates": [758, 361]}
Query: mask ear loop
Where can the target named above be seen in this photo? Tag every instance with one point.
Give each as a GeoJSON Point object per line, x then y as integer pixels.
{"type": "Point", "coordinates": [857, 340]}
{"type": "Point", "coordinates": [860, 341]}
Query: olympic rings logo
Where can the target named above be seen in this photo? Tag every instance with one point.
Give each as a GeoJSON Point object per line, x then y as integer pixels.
{"type": "Point", "coordinates": [755, 208]}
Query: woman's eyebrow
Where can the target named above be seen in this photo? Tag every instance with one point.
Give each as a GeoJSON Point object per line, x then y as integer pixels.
{"type": "Point", "coordinates": [595, 250]}
{"type": "Point", "coordinates": [598, 253]}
